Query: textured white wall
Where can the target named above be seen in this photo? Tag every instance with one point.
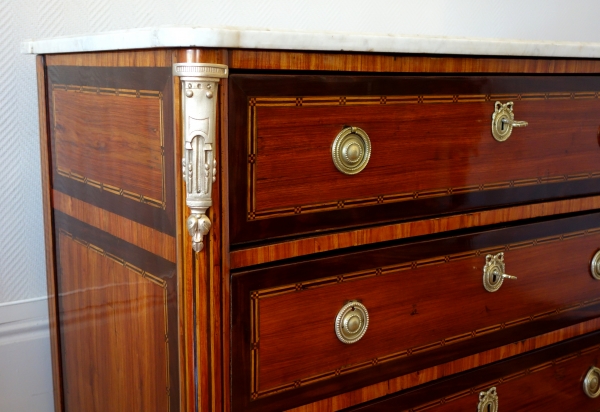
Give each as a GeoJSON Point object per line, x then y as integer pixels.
{"type": "Point", "coordinates": [21, 238]}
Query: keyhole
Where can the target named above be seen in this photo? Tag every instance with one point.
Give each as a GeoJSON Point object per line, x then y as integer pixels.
{"type": "Point", "coordinates": [489, 407]}
{"type": "Point", "coordinates": [501, 129]}
{"type": "Point", "coordinates": [494, 277]}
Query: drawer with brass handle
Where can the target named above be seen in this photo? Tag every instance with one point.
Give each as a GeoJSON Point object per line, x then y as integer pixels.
{"type": "Point", "coordinates": [557, 378]}
{"type": "Point", "coordinates": [310, 153]}
{"type": "Point", "coordinates": [379, 312]}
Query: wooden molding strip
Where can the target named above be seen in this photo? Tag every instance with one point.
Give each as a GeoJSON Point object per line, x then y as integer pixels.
{"type": "Point", "coordinates": [427, 375]}
{"type": "Point", "coordinates": [137, 58]}
{"type": "Point", "coordinates": [323, 243]}
{"type": "Point", "coordinates": [381, 63]}
{"type": "Point", "coordinates": [132, 232]}
{"type": "Point", "coordinates": [360, 62]}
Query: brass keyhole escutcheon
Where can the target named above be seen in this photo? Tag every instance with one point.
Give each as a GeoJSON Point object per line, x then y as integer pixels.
{"type": "Point", "coordinates": [351, 322]}
{"type": "Point", "coordinates": [488, 401]}
{"type": "Point", "coordinates": [351, 150]}
{"type": "Point", "coordinates": [493, 272]}
{"type": "Point", "coordinates": [503, 121]}
{"type": "Point", "coordinates": [591, 382]}
{"type": "Point", "coordinates": [595, 265]}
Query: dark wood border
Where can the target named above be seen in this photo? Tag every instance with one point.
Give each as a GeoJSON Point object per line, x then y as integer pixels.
{"type": "Point", "coordinates": [161, 269]}
{"type": "Point", "coordinates": [46, 172]}
{"type": "Point", "coordinates": [476, 378]}
{"type": "Point", "coordinates": [145, 78]}
{"type": "Point", "coordinates": [243, 86]}
{"type": "Point", "coordinates": [390, 253]}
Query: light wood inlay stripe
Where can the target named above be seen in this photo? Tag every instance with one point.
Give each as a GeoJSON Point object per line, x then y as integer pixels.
{"type": "Point", "coordinates": [426, 375]}
{"type": "Point", "coordinates": [314, 244]}
{"type": "Point", "coordinates": [132, 232]}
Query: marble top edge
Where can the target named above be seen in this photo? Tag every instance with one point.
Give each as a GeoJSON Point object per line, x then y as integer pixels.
{"type": "Point", "coordinates": [164, 37]}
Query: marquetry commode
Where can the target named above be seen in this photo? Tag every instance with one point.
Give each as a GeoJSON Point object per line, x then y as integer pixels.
{"type": "Point", "coordinates": [235, 226]}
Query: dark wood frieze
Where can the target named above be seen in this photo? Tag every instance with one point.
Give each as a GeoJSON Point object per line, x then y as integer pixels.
{"type": "Point", "coordinates": [405, 63]}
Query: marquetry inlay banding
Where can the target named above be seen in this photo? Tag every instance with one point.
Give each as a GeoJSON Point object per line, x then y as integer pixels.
{"type": "Point", "coordinates": [257, 295]}
{"type": "Point", "coordinates": [130, 155]}
{"type": "Point", "coordinates": [255, 103]}
{"type": "Point", "coordinates": [505, 379]}
{"type": "Point", "coordinates": [413, 379]}
{"type": "Point", "coordinates": [144, 274]}
{"type": "Point", "coordinates": [132, 232]}
{"type": "Point", "coordinates": [323, 243]}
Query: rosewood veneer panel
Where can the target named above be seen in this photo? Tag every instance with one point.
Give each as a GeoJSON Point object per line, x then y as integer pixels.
{"type": "Point", "coordinates": [416, 310]}
{"type": "Point", "coordinates": [112, 140]}
{"type": "Point", "coordinates": [404, 63]}
{"type": "Point", "coordinates": [117, 320]}
{"type": "Point", "coordinates": [417, 150]}
{"type": "Point", "coordinates": [425, 299]}
{"type": "Point", "coordinates": [414, 379]}
{"type": "Point", "coordinates": [432, 148]}
{"type": "Point", "coordinates": [549, 380]}
{"type": "Point", "coordinates": [336, 241]}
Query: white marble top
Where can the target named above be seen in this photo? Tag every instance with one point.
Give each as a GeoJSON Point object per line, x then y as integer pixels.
{"type": "Point", "coordinates": [298, 40]}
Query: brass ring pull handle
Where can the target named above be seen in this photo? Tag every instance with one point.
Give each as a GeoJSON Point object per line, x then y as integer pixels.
{"type": "Point", "coordinates": [351, 150]}
{"type": "Point", "coordinates": [591, 382]}
{"type": "Point", "coordinates": [493, 272]}
{"type": "Point", "coordinates": [488, 401]}
{"type": "Point", "coordinates": [595, 265]}
{"type": "Point", "coordinates": [503, 121]}
{"type": "Point", "coordinates": [351, 322]}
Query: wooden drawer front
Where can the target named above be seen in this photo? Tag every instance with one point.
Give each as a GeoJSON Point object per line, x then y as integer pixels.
{"type": "Point", "coordinates": [549, 380]}
{"type": "Point", "coordinates": [432, 147]}
{"type": "Point", "coordinates": [426, 303]}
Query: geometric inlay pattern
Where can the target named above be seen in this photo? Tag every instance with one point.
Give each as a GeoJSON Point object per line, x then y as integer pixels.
{"type": "Point", "coordinates": [126, 93]}
{"type": "Point", "coordinates": [255, 102]}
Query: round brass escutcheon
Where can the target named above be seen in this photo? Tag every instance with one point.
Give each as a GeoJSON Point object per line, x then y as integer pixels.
{"type": "Point", "coordinates": [351, 322]}
{"type": "Point", "coordinates": [595, 265]}
{"type": "Point", "coordinates": [591, 382]}
{"type": "Point", "coordinates": [351, 150]}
